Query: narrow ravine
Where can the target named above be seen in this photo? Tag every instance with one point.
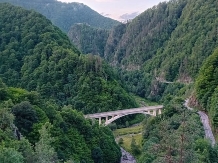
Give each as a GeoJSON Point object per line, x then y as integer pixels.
{"type": "Point", "coordinates": [205, 122]}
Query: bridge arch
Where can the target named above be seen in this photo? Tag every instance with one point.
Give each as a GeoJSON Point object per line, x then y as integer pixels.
{"type": "Point", "coordinates": [114, 115]}
{"type": "Point", "coordinates": [107, 122]}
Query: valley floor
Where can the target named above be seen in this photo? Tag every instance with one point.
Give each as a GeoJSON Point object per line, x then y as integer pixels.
{"type": "Point", "coordinates": [127, 134]}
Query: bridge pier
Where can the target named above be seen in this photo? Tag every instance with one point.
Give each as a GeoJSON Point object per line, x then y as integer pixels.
{"type": "Point", "coordinates": [99, 120]}
{"type": "Point", "coordinates": [159, 111]}
{"type": "Point", "coordinates": [154, 113]}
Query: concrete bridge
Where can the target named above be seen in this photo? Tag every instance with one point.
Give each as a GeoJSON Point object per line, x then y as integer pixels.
{"type": "Point", "coordinates": [114, 115]}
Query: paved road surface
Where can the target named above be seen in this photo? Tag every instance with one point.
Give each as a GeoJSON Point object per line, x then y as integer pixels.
{"type": "Point", "coordinates": [205, 122]}
{"type": "Point", "coordinates": [207, 128]}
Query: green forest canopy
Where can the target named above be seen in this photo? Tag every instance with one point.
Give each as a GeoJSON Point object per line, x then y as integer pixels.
{"type": "Point", "coordinates": [48, 133]}
{"type": "Point", "coordinates": [169, 41]}
{"type": "Point", "coordinates": [207, 87]}
{"type": "Point", "coordinates": [37, 56]}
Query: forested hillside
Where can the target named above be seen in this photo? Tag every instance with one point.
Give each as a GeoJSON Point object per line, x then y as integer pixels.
{"type": "Point", "coordinates": [207, 88]}
{"type": "Point", "coordinates": [158, 56]}
{"type": "Point", "coordinates": [32, 130]}
{"type": "Point", "coordinates": [193, 40]}
{"type": "Point", "coordinates": [137, 41]}
{"type": "Point", "coordinates": [64, 15]}
{"type": "Point", "coordinates": [167, 42]}
{"type": "Point", "coordinates": [172, 38]}
{"type": "Point", "coordinates": [89, 39]}
{"type": "Point", "coordinates": [47, 84]}
{"type": "Point", "coordinates": [37, 56]}
{"type": "Point", "coordinates": [44, 82]}
{"type": "Point", "coordinates": [176, 136]}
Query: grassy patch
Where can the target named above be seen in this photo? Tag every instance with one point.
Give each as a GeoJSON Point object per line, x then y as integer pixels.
{"type": "Point", "coordinates": [127, 139]}
{"type": "Point", "coordinates": [127, 134]}
{"type": "Point", "coordinates": [128, 131]}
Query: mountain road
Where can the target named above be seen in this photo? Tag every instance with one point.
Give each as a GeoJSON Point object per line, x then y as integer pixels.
{"type": "Point", "coordinates": [205, 122]}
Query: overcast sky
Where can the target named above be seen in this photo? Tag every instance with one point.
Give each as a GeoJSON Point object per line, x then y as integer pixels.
{"type": "Point", "coordinates": [118, 9]}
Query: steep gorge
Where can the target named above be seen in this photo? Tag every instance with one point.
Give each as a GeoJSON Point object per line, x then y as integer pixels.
{"type": "Point", "coordinates": [170, 40]}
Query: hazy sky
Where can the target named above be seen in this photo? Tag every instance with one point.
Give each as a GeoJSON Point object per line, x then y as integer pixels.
{"type": "Point", "coordinates": [117, 8]}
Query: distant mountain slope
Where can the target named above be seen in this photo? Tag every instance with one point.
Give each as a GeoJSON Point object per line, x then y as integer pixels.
{"type": "Point", "coordinates": [89, 39]}
{"type": "Point", "coordinates": [133, 43]}
{"type": "Point", "coordinates": [64, 15]}
{"type": "Point", "coordinates": [36, 55]}
{"type": "Point", "coordinates": [170, 40]}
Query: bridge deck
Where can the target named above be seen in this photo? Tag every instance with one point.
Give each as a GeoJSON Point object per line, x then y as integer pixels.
{"type": "Point", "coordinates": [126, 111]}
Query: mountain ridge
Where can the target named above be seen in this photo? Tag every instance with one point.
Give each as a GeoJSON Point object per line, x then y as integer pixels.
{"type": "Point", "coordinates": [38, 56]}
{"type": "Point", "coordinates": [164, 40]}
{"type": "Point", "coordinates": [64, 15]}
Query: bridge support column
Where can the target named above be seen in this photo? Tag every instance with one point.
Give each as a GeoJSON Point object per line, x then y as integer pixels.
{"type": "Point", "coordinates": [106, 119]}
{"type": "Point", "coordinates": [149, 112]}
{"type": "Point", "coordinates": [159, 111]}
{"type": "Point", "coordinates": [154, 113]}
{"type": "Point", "coordinates": [99, 120]}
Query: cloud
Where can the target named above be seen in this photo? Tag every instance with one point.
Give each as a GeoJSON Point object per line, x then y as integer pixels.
{"type": "Point", "coordinates": [129, 16]}
{"type": "Point", "coordinates": [105, 14]}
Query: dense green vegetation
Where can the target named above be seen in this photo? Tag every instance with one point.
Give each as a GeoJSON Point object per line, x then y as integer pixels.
{"type": "Point", "coordinates": [142, 84]}
{"type": "Point", "coordinates": [88, 39]}
{"type": "Point", "coordinates": [51, 84]}
{"type": "Point", "coordinates": [133, 43]}
{"type": "Point", "coordinates": [130, 139]}
{"type": "Point", "coordinates": [49, 134]}
{"type": "Point", "coordinates": [37, 56]}
{"type": "Point", "coordinates": [64, 15]}
{"type": "Point", "coordinates": [207, 87]}
{"type": "Point", "coordinates": [176, 136]}
{"type": "Point", "coordinates": [192, 41]}
{"type": "Point", "coordinates": [128, 130]}
{"type": "Point", "coordinates": [39, 124]}
{"type": "Point", "coordinates": [169, 41]}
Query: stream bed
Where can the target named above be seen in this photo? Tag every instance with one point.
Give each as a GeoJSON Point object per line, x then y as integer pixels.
{"type": "Point", "coordinates": [127, 157]}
